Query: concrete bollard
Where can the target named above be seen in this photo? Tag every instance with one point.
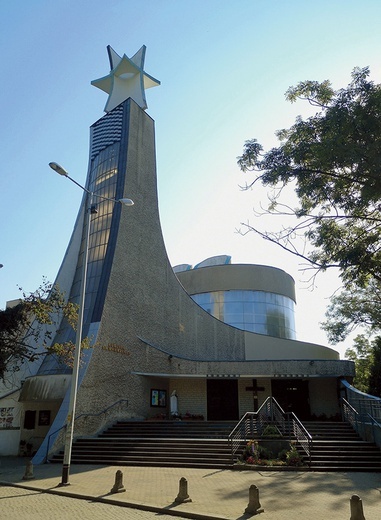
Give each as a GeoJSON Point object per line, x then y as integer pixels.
{"type": "Point", "coordinates": [183, 492]}
{"type": "Point", "coordinates": [118, 486]}
{"type": "Point", "coordinates": [28, 471]}
{"type": "Point", "coordinates": [357, 512]}
{"type": "Point", "coordinates": [254, 506]}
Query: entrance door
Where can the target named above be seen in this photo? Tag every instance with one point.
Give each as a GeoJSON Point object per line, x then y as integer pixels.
{"type": "Point", "coordinates": [292, 395]}
{"type": "Point", "coordinates": [222, 397]}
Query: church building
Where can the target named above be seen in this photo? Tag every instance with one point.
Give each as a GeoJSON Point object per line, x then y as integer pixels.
{"type": "Point", "coordinates": [219, 336]}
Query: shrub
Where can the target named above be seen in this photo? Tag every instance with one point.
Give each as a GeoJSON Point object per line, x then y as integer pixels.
{"type": "Point", "coordinates": [293, 457]}
{"type": "Point", "coordinates": [282, 455]}
{"type": "Point", "coordinates": [259, 455]}
{"type": "Point", "coordinates": [265, 453]}
{"type": "Point", "coordinates": [271, 431]}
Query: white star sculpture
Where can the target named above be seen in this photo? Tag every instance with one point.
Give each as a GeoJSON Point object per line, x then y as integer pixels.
{"type": "Point", "coordinates": [126, 79]}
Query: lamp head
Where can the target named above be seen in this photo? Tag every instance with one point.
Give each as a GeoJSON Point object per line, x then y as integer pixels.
{"type": "Point", "coordinates": [126, 202]}
{"type": "Point", "coordinates": [57, 168]}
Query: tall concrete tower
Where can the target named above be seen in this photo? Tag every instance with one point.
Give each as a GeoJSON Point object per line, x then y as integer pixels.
{"type": "Point", "coordinates": [135, 307]}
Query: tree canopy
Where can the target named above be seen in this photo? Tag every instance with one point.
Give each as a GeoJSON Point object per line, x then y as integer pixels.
{"type": "Point", "coordinates": [366, 355]}
{"type": "Point", "coordinates": [355, 307]}
{"type": "Point", "coordinates": [332, 159]}
{"type": "Point", "coordinates": [359, 307]}
{"type": "Point", "coordinates": [26, 329]}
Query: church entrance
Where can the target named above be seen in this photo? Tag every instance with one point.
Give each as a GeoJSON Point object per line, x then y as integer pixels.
{"type": "Point", "coordinates": [222, 399]}
{"type": "Point", "coordinates": [293, 396]}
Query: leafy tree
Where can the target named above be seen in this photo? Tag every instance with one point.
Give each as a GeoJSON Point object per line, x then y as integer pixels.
{"type": "Point", "coordinates": [332, 159]}
{"type": "Point", "coordinates": [375, 369]}
{"type": "Point", "coordinates": [361, 353]}
{"type": "Point", "coordinates": [30, 325]}
{"type": "Point", "coordinates": [356, 306]}
{"type": "Point", "coordinates": [366, 355]}
{"type": "Point", "coordinates": [353, 308]}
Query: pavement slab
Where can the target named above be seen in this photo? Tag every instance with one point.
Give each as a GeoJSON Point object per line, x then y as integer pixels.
{"type": "Point", "coordinates": [214, 494]}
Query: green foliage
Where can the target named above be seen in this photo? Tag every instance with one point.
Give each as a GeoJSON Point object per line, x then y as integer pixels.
{"type": "Point", "coordinates": [366, 354]}
{"type": "Point", "coordinates": [332, 160]}
{"type": "Point", "coordinates": [354, 307]}
{"type": "Point", "coordinates": [259, 455]}
{"type": "Point", "coordinates": [375, 369]}
{"type": "Point", "coordinates": [265, 453]}
{"type": "Point", "coordinates": [293, 457]}
{"type": "Point", "coordinates": [282, 455]}
{"type": "Point", "coordinates": [271, 431]}
{"type": "Point", "coordinates": [361, 354]}
{"type": "Point", "coordinates": [31, 324]}
{"type": "Point", "coordinates": [359, 307]}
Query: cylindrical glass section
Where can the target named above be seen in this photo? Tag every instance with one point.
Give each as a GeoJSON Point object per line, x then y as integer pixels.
{"type": "Point", "coordinates": [255, 311]}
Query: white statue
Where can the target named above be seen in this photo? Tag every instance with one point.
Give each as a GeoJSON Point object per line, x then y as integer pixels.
{"type": "Point", "coordinates": [126, 79]}
{"type": "Point", "coordinates": [174, 410]}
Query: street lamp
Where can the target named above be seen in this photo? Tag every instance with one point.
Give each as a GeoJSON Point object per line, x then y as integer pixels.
{"type": "Point", "coordinates": [78, 339]}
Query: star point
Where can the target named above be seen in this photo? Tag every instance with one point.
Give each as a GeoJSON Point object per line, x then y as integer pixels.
{"type": "Point", "coordinates": [126, 79]}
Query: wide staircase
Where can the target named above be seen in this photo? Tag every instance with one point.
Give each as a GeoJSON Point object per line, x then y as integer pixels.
{"type": "Point", "coordinates": [204, 444]}
{"type": "Point", "coordinates": [185, 444]}
{"type": "Point", "coordinates": [337, 447]}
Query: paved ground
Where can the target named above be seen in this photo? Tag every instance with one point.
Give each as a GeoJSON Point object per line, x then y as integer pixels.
{"type": "Point", "coordinates": [215, 494]}
{"type": "Point", "coordinates": [24, 504]}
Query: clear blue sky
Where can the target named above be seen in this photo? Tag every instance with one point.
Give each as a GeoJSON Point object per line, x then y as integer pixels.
{"type": "Point", "coordinates": [224, 67]}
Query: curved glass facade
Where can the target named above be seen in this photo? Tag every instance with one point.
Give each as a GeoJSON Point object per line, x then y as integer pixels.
{"type": "Point", "coordinates": [102, 182]}
{"type": "Point", "coordinates": [255, 311]}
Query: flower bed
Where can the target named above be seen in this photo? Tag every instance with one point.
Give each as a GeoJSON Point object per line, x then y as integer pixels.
{"type": "Point", "coordinates": [258, 454]}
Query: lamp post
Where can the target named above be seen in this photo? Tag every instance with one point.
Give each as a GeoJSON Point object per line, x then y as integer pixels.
{"type": "Point", "coordinates": [78, 339]}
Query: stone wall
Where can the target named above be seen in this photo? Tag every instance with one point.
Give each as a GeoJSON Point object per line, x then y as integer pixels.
{"type": "Point", "coordinates": [191, 395]}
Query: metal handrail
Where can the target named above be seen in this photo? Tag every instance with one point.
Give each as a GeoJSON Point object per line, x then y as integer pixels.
{"type": "Point", "coordinates": [359, 421]}
{"type": "Point", "coordinates": [376, 430]}
{"type": "Point", "coordinates": [362, 402]}
{"type": "Point", "coordinates": [240, 432]}
{"type": "Point", "coordinates": [369, 406]}
{"type": "Point", "coordinates": [245, 427]}
{"type": "Point", "coordinates": [302, 435]}
{"type": "Point", "coordinates": [250, 420]}
{"type": "Point", "coordinates": [374, 421]}
{"type": "Point", "coordinates": [350, 414]}
{"type": "Point", "coordinates": [83, 415]}
{"type": "Point", "coordinates": [270, 413]}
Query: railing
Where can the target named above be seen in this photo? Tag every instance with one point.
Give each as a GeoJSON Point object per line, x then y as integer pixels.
{"type": "Point", "coordinates": [270, 413]}
{"type": "Point", "coordinates": [241, 432]}
{"type": "Point", "coordinates": [363, 403]}
{"type": "Point", "coordinates": [253, 424]}
{"type": "Point", "coordinates": [301, 435]}
{"type": "Point", "coordinates": [85, 416]}
{"type": "Point", "coordinates": [364, 423]}
{"type": "Point", "coordinates": [367, 410]}
{"type": "Point", "coordinates": [376, 430]}
{"type": "Point", "coordinates": [350, 414]}
{"type": "Point", "coordinates": [366, 406]}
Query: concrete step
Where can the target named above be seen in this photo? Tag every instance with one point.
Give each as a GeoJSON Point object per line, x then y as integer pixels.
{"type": "Point", "coordinates": [157, 443]}
{"type": "Point", "coordinates": [186, 444]}
{"type": "Point", "coordinates": [150, 463]}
